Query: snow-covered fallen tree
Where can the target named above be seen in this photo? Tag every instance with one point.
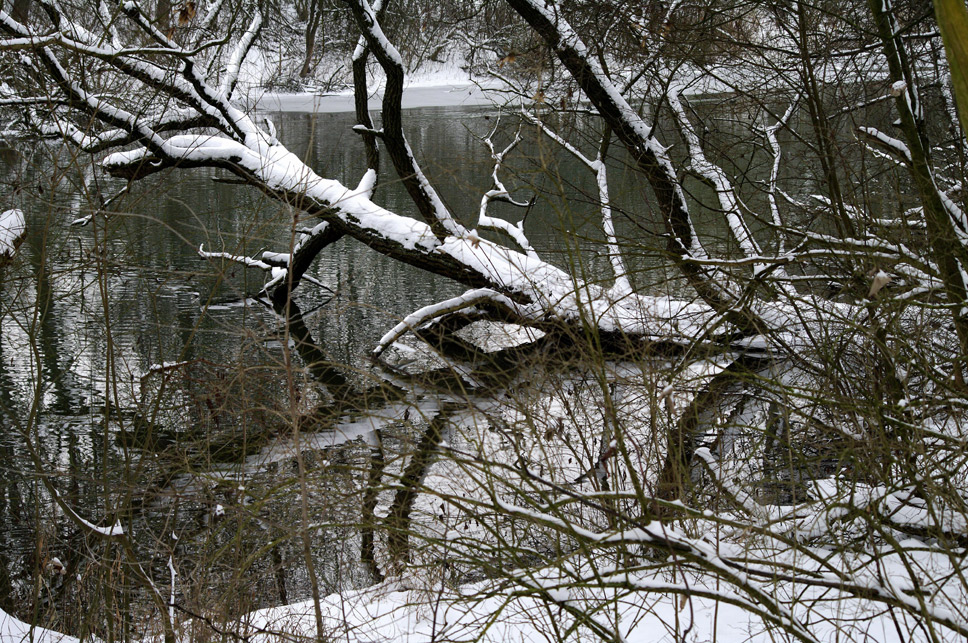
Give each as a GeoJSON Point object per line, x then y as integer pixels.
{"type": "Point", "coordinates": [808, 323]}
{"type": "Point", "coordinates": [171, 113]}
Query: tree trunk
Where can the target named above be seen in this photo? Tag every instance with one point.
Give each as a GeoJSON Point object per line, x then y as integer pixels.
{"type": "Point", "coordinates": [21, 10]}
{"type": "Point", "coordinates": [163, 15]}
{"type": "Point", "coordinates": [947, 249]}
{"type": "Point", "coordinates": [312, 28]}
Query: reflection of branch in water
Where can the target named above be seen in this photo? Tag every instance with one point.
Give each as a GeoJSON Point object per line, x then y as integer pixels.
{"type": "Point", "coordinates": [313, 356]}
{"type": "Point", "coordinates": [681, 440]}
{"type": "Point", "coordinates": [371, 495]}
{"type": "Point", "coordinates": [66, 391]}
{"type": "Point", "coordinates": [9, 411]}
{"type": "Point", "coordinates": [465, 361]}
{"type": "Point", "coordinates": [397, 522]}
{"type": "Point", "coordinates": [346, 396]}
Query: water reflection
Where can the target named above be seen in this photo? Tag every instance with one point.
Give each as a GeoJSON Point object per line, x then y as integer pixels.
{"type": "Point", "coordinates": [157, 394]}
{"type": "Point", "coordinates": [231, 437]}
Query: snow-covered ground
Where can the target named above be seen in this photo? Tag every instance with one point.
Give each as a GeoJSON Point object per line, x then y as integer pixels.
{"type": "Point", "coordinates": [386, 614]}
{"type": "Point", "coordinates": [13, 630]}
{"type": "Point", "coordinates": [391, 613]}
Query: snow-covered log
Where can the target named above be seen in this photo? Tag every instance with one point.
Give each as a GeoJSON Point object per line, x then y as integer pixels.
{"type": "Point", "coordinates": [839, 339]}
{"type": "Point", "coordinates": [544, 294]}
{"type": "Point", "coordinates": [171, 113]}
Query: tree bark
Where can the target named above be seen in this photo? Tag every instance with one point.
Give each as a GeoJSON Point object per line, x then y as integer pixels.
{"type": "Point", "coordinates": [637, 139]}
{"type": "Point", "coordinates": [312, 28]}
{"type": "Point", "coordinates": [947, 250]}
{"type": "Point", "coordinates": [163, 15]}
{"type": "Point", "coordinates": [20, 11]}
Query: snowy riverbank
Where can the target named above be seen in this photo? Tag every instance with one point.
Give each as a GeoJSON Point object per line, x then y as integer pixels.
{"type": "Point", "coordinates": [511, 495]}
{"type": "Point", "coordinates": [444, 84]}
{"type": "Point", "coordinates": [430, 92]}
{"type": "Point", "coordinates": [389, 613]}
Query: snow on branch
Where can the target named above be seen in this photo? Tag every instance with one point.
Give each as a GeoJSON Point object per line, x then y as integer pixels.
{"type": "Point", "coordinates": [418, 186]}
{"type": "Point", "coordinates": [241, 50]}
{"type": "Point", "coordinates": [776, 546]}
{"type": "Point", "coordinates": [206, 107]}
{"type": "Point", "coordinates": [895, 148]}
{"type": "Point", "coordinates": [205, 98]}
{"type": "Point", "coordinates": [899, 151]}
{"type": "Point", "coordinates": [242, 259]}
{"type": "Point", "coordinates": [462, 302]}
{"type": "Point", "coordinates": [437, 243]}
{"type": "Point", "coordinates": [208, 21]}
{"type": "Point", "coordinates": [905, 262]}
{"type": "Point", "coordinates": [728, 201]}
{"type": "Point", "coordinates": [280, 266]}
{"type": "Point", "coordinates": [500, 193]}
{"type": "Point", "coordinates": [776, 151]}
{"type": "Point", "coordinates": [277, 273]}
{"type": "Point", "coordinates": [697, 552]}
{"type": "Point", "coordinates": [650, 156]}
{"type": "Point", "coordinates": [622, 287]}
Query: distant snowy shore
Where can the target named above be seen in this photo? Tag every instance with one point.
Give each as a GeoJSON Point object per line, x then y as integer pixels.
{"type": "Point", "coordinates": [441, 84]}
{"type": "Point", "coordinates": [431, 93]}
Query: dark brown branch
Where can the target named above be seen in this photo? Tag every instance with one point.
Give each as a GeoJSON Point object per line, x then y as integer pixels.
{"type": "Point", "coordinates": [642, 148]}
{"type": "Point", "coordinates": [361, 102]}
{"type": "Point", "coordinates": [303, 255]}
{"type": "Point", "coordinates": [424, 196]}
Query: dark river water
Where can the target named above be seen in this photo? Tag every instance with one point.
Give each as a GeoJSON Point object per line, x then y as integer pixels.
{"type": "Point", "coordinates": [145, 385]}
